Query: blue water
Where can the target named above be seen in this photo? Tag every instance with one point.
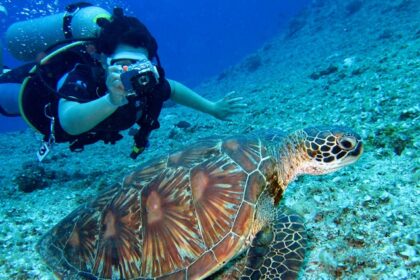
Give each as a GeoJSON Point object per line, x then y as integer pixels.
{"type": "Point", "coordinates": [197, 39]}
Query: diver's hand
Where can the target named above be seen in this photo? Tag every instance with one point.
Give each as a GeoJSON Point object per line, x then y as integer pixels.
{"type": "Point", "coordinates": [117, 95]}
{"type": "Point", "coordinates": [227, 106]}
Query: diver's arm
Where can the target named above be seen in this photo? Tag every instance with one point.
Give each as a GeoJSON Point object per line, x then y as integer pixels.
{"type": "Point", "coordinates": [77, 118]}
{"type": "Point", "coordinates": [187, 97]}
{"type": "Point", "coordinates": [221, 109]}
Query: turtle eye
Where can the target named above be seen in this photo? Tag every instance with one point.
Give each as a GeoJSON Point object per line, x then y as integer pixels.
{"type": "Point", "coordinates": [347, 143]}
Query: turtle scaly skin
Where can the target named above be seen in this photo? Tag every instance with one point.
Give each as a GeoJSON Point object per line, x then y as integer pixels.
{"type": "Point", "coordinates": [206, 211]}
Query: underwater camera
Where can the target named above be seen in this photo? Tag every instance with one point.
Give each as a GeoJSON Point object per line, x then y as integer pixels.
{"type": "Point", "coordinates": [139, 78]}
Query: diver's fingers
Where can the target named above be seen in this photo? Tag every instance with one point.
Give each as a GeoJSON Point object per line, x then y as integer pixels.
{"type": "Point", "coordinates": [234, 100]}
{"type": "Point", "coordinates": [239, 106]}
{"type": "Point", "coordinates": [114, 69]}
{"type": "Point", "coordinates": [113, 79]}
{"type": "Point", "coordinates": [229, 94]}
{"type": "Point", "coordinates": [114, 76]}
{"type": "Point", "coordinates": [235, 103]}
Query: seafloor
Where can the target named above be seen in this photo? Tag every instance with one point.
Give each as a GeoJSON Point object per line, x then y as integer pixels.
{"type": "Point", "coordinates": [352, 63]}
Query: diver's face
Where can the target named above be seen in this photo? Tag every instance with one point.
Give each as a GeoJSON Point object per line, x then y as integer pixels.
{"type": "Point", "coordinates": [126, 55]}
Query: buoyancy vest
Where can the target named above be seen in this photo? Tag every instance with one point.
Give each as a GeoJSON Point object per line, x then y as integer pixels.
{"type": "Point", "coordinates": [38, 101]}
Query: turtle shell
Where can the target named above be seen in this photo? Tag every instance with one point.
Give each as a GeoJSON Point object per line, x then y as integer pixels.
{"type": "Point", "coordinates": [183, 216]}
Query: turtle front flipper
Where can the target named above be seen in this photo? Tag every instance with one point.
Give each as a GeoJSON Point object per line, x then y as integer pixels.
{"type": "Point", "coordinates": [278, 250]}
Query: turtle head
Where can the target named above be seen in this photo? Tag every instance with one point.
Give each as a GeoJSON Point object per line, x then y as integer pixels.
{"type": "Point", "coordinates": [330, 148]}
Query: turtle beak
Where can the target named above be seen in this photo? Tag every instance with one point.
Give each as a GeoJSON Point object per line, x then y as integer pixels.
{"type": "Point", "coordinates": [351, 157]}
{"type": "Point", "coordinates": [358, 151]}
{"type": "Point", "coordinates": [354, 154]}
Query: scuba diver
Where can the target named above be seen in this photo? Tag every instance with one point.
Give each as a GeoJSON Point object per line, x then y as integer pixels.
{"type": "Point", "coordinates": [106, 78]}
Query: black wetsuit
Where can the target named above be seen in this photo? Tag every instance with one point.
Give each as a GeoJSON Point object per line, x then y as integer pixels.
{"type": "Point", "coordinates": [86, 84]}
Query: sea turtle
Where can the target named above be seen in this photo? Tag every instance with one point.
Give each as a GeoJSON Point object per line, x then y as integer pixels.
{"type": "Point", "coordinates": [207, 211]}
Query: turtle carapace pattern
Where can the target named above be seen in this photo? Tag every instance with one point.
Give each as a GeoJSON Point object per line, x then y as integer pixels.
{"type": "Point", "coordinates": [210, 210]}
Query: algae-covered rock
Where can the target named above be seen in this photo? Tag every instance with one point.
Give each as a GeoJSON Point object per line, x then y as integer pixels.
{"type": "Point", "coordinates": [34, 176]}
{"type": "Point", "coordinates": [323, 72]}
{"type": "Point", "coordinates": [31, 177]}
{"type": "Point", "coordinates": [393, 137]}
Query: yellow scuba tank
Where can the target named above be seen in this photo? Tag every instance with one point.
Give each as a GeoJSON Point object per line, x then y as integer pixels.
{"type": "Point", "coordinates": [28, 38]}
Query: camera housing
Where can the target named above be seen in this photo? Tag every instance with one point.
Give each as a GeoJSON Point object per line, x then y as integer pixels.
{"type": "Point", "coordinates": [139, 78]}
